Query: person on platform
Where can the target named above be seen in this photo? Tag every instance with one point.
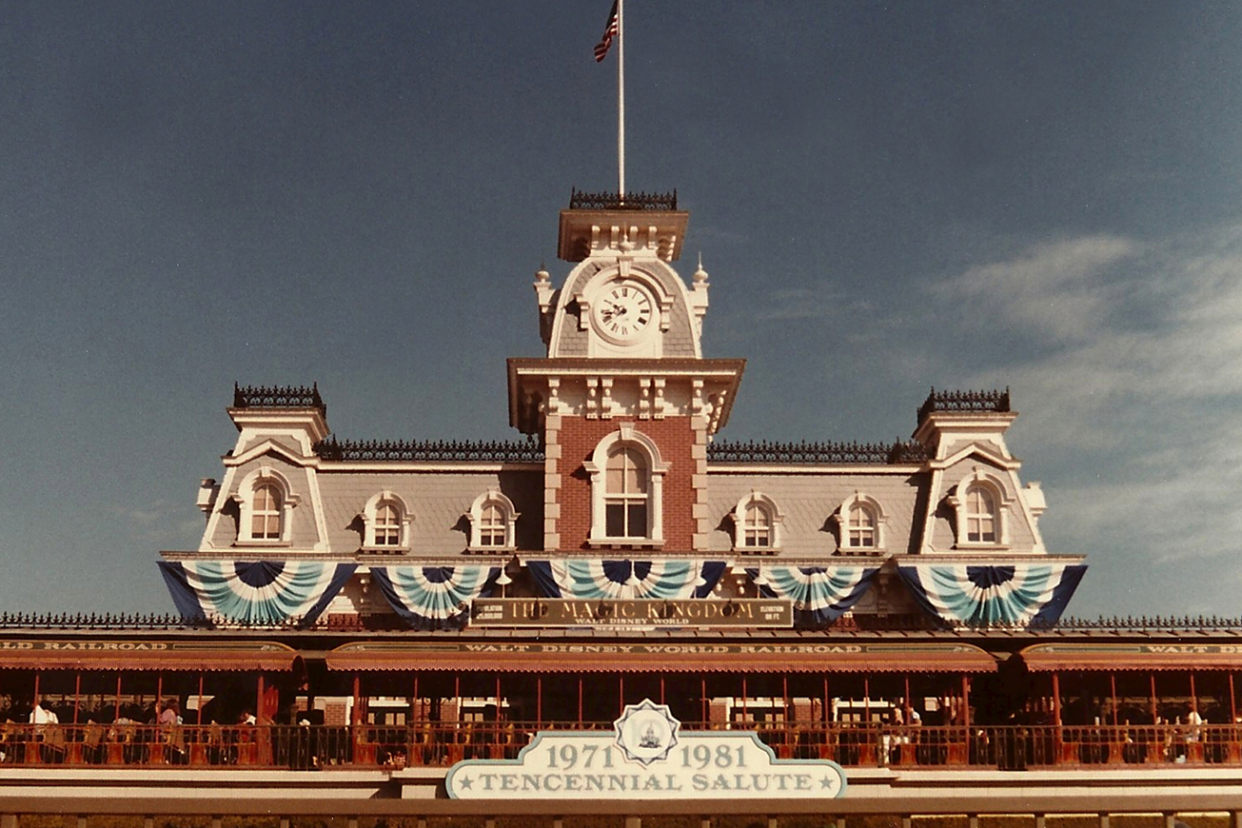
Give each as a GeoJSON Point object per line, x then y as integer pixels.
{"type": "Point", "coordinates": [40, 715]}
{"type": "Point", "coordinates": [171, 714]}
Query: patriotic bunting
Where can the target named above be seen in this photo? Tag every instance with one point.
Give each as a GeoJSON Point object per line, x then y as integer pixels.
{"type": "Point", "coordinates": [820, 594]}
{"type": "Point", "coordinates": [594, 578]}
{"type": "Point", "coordinates": [431, 597]}
{"type": "Point", "coordinates": [261, 593]}
{"type": "Point", "coordinates": [1021, 594]}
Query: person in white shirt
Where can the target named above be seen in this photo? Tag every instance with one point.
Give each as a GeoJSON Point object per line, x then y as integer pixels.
{"type": "Point", "coordinates": [41, 715]}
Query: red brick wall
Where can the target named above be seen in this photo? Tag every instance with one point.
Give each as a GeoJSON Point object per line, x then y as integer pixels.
{"type": "Point", "coordinates": [578, 439]}
{"type": "Point", "coordinates": [335, 713]}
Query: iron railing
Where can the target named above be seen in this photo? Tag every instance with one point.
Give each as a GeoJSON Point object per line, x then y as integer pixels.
{"type": "Point", "coordinates": [1010, 747]}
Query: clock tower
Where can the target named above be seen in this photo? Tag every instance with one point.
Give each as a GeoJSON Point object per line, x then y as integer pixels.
{"type": "Point", "coordinates": [624, 401]}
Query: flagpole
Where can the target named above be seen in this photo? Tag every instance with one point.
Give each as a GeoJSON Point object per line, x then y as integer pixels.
{"type": "Point", "coordinates": [621, 100]}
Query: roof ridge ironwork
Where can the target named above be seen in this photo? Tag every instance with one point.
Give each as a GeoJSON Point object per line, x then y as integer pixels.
{"type": "Point", "coordinates": [278, 396]}
{"type": "Point", "coordinates": [982, 402]}
{"type": "Point", "coordinates": [654, 202]}
{"type": "Point", "coordinates": [511, 451]}
{"type": "Point", "coordinates": [854, 452]}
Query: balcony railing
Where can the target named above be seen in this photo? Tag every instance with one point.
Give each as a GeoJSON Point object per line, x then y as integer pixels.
{"type": "Point", "coordinates": [300, 747]}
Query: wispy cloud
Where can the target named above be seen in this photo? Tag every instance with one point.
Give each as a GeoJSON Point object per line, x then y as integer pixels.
{"type": "Point", "coordinates": [820, 301]}
{"type": "Point", "coordinates": [1132, 384]}
{"type": "Point", "coordinates": [1059, 290]}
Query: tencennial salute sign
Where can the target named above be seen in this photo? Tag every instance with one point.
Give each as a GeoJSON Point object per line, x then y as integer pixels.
{"type": "Point", "coordinates": [647, 756]}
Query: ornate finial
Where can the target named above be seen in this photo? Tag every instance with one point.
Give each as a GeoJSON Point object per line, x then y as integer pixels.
{"type": "Point", "coordinates": [700, 275]}
{"type": "Point", "coordinates": [542, 275]}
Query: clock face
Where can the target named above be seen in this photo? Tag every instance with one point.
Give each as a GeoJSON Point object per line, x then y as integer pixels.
{"type": "Point", "coordinates": [623, 312]}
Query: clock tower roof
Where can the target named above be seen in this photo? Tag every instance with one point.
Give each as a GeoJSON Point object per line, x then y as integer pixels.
{"type": "Point", "coordinates": [597, 222]}
{"type": "Point", "coordinates": [623, 299]}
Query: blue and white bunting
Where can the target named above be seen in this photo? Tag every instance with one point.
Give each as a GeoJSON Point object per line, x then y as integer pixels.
{"type": "Point", "coordinates": [255, 593]}
{"type": "Point", "coordinates": [820, 594]}
{"type": "Point", "coordinates": [429, 597]}
{"type": "Point", "coordinates": [1020, 594]}
{"type": "Point", "coordinates": [598, 579]}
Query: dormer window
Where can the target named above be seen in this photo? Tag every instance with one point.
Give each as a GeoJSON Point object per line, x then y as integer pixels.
{"type": "Point", "coordinates": [980, 515]}
{"type": "Point", "coordinates": [493, 523]}
{"type": "Point", "coordinates": [265, 507]}
{"type": "Point", "coordinates": [981, 508]}
{"type": "Point", "coordinates": [862, 524]}
{"type": "Point", "coordinates": [756, 523]}
{"type": "Point", "coordinates": [386, 523]}
{"type": "Point", "coordinates": [265, 515]}
{"type": "Point", "coordinates": [627, 477]}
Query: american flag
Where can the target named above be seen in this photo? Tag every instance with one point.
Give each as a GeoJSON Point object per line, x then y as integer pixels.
{"type": "Point", "coordinates": [610, 31]}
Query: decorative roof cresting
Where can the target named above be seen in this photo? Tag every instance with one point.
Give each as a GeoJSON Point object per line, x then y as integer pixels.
{"type": "Point", "coordinates": [623, 201]}
{"type": "Point", "coordinates": [278, 396]}
{"type": "Point", "coordinates": [986, 402]}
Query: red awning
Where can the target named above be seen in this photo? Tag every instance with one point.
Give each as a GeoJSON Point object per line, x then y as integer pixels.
{"type": "Point", "coordinates": [89, 654]}
{"type": "Point", "coordinates": [1111, 655]}
{"type": "Point", "coordinates": [800, 657]}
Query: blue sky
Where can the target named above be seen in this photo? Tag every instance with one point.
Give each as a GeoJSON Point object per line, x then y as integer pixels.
{"type": "Point", "coordinates": [888, 197]}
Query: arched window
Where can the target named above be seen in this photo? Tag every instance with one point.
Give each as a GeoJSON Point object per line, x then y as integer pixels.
{"type": "Point", "coordinates": [756, 523]}
{"type": "Point", "coordinates": [980, 515]}
{"type": "Point", "coordinates": [265, 504]}
{"type": "Point", "coordinates": [860, 526]}
{"type": "Point", "coordinates": [386, 523]}
{"type": "Point", "coordinates": [862, 523]}
{"type": "Point", "coordinates": [756, 526]}
{"type": "Point", "coordinates": [627, 477]}
{"type": "Point", "coordinates": [625, 494]}
{"type": "Point", "coordinates": [493, 522]}
{"type": "Point", "coordinates": [981, 507]}
{"type": "Point", "coordinates": [265, 514]}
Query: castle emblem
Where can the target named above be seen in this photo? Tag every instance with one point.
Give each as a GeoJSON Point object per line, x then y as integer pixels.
{"type": "Point", "coordinates": [646, 732]}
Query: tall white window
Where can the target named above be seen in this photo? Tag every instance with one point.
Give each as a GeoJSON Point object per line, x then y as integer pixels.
{"type": "Point", "coordinates": [625, 494]}
{"type": "Point", "coordinates": [265, 504]}
{"type": "Point", "coordinates": [862, 523]}
{"type": "Point", "coordinates": [756, 526]}
{"type": "Point", "coordinates": [981, 506]}
{"type": "Point", "coordinates": [386, 523]}
{"type": "Point", "coordinates": [756, 523]}
{"type": "Point", "coordinates": [493, 522]}
{"type": "Point", "coordinates": [861, 526]}
{"type": "Point", "coordinates": [627, 483]}
{"type": "Point", "coordinates": [980, 515]}
{"type": "Point", "coordinates": [265, 515]}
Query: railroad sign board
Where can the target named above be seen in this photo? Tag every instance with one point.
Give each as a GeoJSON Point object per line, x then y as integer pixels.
{"type": "Point", "coordinates": [647, 756]}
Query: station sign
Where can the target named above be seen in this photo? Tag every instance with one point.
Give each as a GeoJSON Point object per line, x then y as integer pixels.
{"type": "Point", "coordinates": [762, 613]}
{"type": "Point", "coordinates": [647, 756]}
